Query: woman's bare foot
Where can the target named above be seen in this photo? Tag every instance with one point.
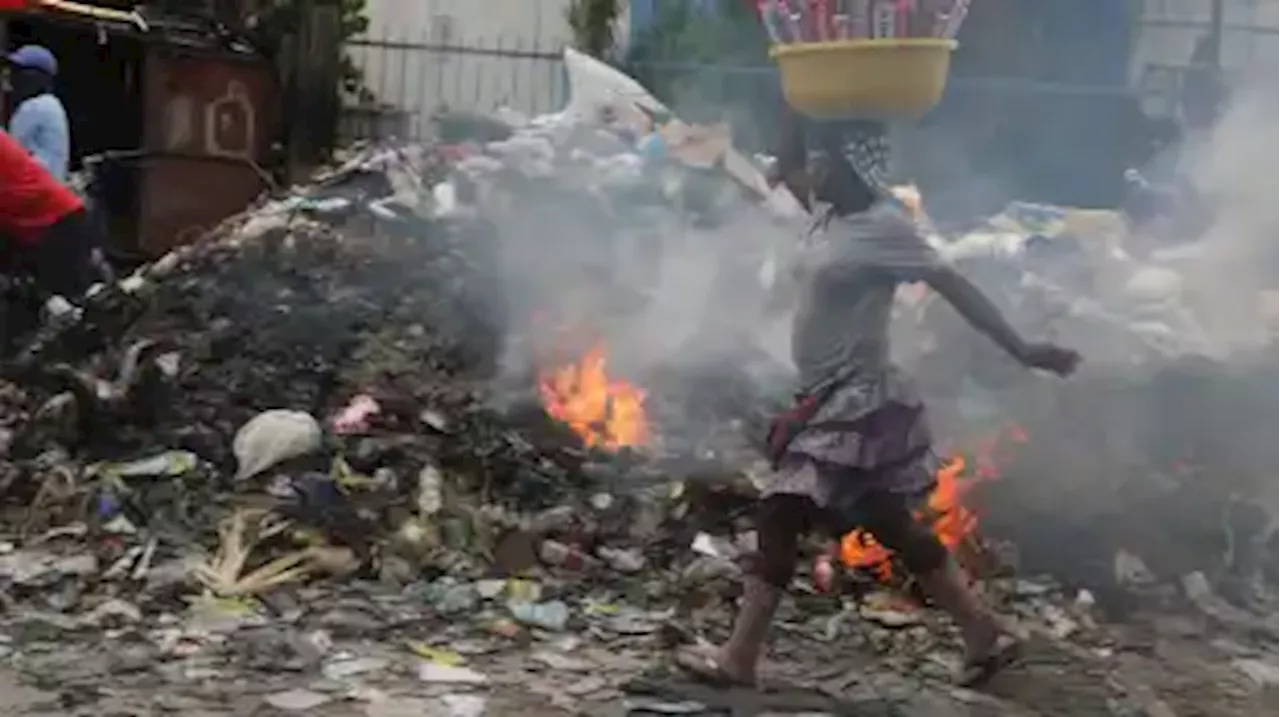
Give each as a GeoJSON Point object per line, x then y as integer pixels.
{"type": "Point", "coordinates": [980, 636]}
{"type": "Point", "coordinates": [714, 666]}
{"type": "Point", "coordinates": [987, 654]}
{"type": "Point", "coordinates": [987, 648]}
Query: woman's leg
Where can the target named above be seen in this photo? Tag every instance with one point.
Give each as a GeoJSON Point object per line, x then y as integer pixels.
{"type": "Point", "coordinates": [889, 519]}
{"type": "Point", "coordinates": [781, 520]}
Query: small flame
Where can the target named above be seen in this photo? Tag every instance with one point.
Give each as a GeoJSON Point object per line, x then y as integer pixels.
{"type": "Point", "coordinates": [604, 412]}
{"type": "Point", "coordinates": [952, 521]}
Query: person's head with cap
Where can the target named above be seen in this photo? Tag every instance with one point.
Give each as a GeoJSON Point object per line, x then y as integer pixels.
{"type": "Point", "coordinates": [34, 57]}
{"type": "Point", "coordinates": [32, 71]}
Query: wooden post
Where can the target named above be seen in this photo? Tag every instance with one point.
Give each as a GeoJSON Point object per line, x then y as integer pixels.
{"type": "Point", "coordinates": [5, 109]}
{"type": "Point", "coordinates": [1215, 33]}
{"type": "Point", "coordinates": [313, 83]}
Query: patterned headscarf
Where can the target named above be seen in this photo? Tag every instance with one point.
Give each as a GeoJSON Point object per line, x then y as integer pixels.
{"type": "Point", "coordinates": [866, 148]}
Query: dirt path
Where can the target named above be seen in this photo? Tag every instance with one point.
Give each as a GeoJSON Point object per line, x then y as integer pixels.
{"type": "Point", "coordinates": [367, 650]}
{"type": "Point", "coordinates": [1055, 679]}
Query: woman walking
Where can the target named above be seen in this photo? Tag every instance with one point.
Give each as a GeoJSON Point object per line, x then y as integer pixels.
{"type": "Point", "coordinates": [855, 450]}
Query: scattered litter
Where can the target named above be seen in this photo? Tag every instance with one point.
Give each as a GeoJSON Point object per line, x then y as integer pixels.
{"type": "Point", "coordinates": [430, 490]}
{"type": "Point", "coordinates": [273, 437]}
{"type": "Point", "coordinates": [169, 463]}
{"type": "Point", "coordinates": [1263, 674]}
{"type": "Point", "coordinates": [352, 667]}
{"type": "Point", "coordinates": [553, 615]}
{"type": "Point", "coordinates": [354, 418]}
{"type": "Point", "coordinates": [889, 617]}
{"type": "Point", "coordinates": [297, 700]}
{"type": "Point", "coordinates": [464, 705]}
{"type": "Point", "coordinates": [449, 508]}
{"type": "Point", "coordinates": [447, 658]}
{"type": "Point", "coordinates": [563, 663]}
{"type": "Point", "coordinates": [437, 673]}
{"type": "Point", "coordinates": [1130, 570]}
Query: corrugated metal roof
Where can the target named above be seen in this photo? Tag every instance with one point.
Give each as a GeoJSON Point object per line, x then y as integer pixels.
{"type": "Point", "coordinates": [193, 32]}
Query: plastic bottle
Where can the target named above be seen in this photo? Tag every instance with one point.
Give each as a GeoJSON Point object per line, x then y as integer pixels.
{"type": "Point", "coordinates": [883, 19]}
{"type": "Point", "coordinates": [820, 19]}
{"type": "Point", "coordinates": [553, 615]}
{"type": "Point", "coordinates": [859, 19]}
{"type": "Point", "coordinates": [772, 17]}
{"type": "Point", "coordinates": [553, 552]}
{"type": "Point", "coordinates": [902, 18]}
{"type": "Point", "coordinates": [840, 26]}
{"type": "Point", "coordinates": [951, 25]}
{"type": "Point", "coordinates": [796, 21]}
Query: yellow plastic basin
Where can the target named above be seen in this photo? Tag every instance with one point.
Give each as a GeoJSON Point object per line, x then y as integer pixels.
{"type": "Point", "coordinates": [871, 79]}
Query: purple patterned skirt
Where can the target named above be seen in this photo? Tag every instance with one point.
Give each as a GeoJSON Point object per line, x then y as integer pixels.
{"type": "Point", "coordinates": [865, 434]}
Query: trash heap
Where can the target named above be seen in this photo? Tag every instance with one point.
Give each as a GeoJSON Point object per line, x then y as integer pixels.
{"type": "Point", "coordinates": [1069, 267]}
{"type": "Point", "coordinates": [290, 432]}
{"type": "Point", "coordinates": [328, 359]}
{"type": "Point", "coordinates": [306, 393]}
{"type": "Point", "coordinates": [1124, 446]}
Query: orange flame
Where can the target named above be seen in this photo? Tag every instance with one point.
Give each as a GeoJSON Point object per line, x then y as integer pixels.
{"type": "Point", "coordinates": [952, 521]}
{"type": "Point", "coordinates": [605, 412]}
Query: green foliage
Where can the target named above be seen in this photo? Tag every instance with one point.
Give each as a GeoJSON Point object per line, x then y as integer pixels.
{"type": "Point", "coordinates": [281, 18]}
{"type": "Point", "coordinates": [592, 23]}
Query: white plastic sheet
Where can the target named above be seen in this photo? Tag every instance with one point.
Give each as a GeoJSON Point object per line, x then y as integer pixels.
{"type": "Point", "coordinates": [594, 86]}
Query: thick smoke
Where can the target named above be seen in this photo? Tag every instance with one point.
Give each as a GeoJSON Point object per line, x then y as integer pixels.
{"type": "Point", "coordinates": [671, 290]}
{"type": "Point", "coordinates": [1170, 457]}
{"type": "Point", "coordinates": [1233, 171]}
{"type": "Point", "coordinates": [1145, 455]}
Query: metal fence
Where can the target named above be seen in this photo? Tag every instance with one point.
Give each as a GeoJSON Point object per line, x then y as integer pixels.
{"type": "Point", "coordinates": [1053, 141]}
{"type": "Point", "coordinates": [404, 83]}
{"type": "Point", "coordinates": [989, 138]}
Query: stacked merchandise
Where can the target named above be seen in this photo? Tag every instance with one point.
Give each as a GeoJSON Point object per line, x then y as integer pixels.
{"type": "Point", "coordinates": [796, 21]}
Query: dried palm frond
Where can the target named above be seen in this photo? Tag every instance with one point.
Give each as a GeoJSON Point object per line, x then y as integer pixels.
{"type": "Point", "coordinates": [58, 487]}
{"type": "Point", "coordinates": [239, 535]}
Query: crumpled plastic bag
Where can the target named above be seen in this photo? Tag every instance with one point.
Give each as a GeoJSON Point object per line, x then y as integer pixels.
{"type": "Point", "coordinates": [168, 464]}
{"type": "Point", "coordinates": [593, 86]}
{"type": "Point", "coordinates": [272, 437]}
{"type": "Point", "coordinates": [354, 418]}
{"type": "Point", "coordinates": [700, 146]}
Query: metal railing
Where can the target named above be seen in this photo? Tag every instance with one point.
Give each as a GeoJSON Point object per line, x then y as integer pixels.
{"type": "Point", "coordinates": [406, 83]}
{"type": "Point", "coordinates": [1051, 141]}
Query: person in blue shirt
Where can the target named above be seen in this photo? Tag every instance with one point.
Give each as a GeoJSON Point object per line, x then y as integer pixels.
{"type": "Point", "coordinates": [39, 121]}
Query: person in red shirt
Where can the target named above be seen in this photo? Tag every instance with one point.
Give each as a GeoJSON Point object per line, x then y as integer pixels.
{"type": "Point", "coordinates": [45, 231]}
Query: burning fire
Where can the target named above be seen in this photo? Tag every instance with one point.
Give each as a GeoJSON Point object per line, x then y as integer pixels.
{"type": "Point", "coordinates": [606, 413]}
{"type": "Point", "coordinates": [953, 522]}
{"type": "Point", "coordinates": [609, 413]}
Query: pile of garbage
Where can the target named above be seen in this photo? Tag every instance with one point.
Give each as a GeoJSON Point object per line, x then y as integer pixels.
{"type": "Point", "coordinates": [332, 355]}
{"type": "Point", "coordinates": [307, 392]}
{"type": "Point", "coordinates": [288, 433]}
{"type": "Point", "coordinates": [319, 397]}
